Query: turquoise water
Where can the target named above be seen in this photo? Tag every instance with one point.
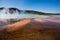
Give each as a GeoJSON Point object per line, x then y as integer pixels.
{"type": "Point", "coordinates": [5, 14]}
{"type": "Point", "coordinates": [25, 15]}
{"type": "Point", "coordinates": [22, 15]}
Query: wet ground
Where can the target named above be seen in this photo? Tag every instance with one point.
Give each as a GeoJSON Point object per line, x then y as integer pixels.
{"type": "Point", "coordinates": [32, 29]}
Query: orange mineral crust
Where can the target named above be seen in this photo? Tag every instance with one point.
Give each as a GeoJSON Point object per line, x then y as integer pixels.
{"type": "Point", "coordinates": [31, 29]}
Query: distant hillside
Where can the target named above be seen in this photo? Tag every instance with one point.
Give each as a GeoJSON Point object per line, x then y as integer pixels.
{"type": "Point", "coordinates": [41, 13]}
{"type": "Point", "coordinates": [16, 10]}
{"type": "Point", "coordinates": [33, 12]}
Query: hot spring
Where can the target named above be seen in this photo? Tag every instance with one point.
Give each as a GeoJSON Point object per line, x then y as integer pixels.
{"type": "Point", "coordinates": [12, 15]}
{"type": "Point", "coordinates": [6, 13]}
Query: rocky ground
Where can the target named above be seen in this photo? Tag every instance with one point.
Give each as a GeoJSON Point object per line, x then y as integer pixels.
{"type": "Point", "coordinates": [31, 29]}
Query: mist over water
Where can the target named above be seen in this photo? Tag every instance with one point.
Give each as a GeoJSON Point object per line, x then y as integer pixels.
{"type": "Point", "coordinates": [13, 13]}
{"type": "Point", "coordinates": [9, 16]}
{"type": "Point", "coordinates": [4, 14]}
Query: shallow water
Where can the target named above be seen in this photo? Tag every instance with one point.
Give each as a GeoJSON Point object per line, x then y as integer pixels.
{"type": "Point", "coordinates": [25, 15]}
{"type": "Point", "coordinates": [22, 15]}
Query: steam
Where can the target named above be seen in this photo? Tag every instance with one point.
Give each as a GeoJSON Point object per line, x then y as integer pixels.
{"type": "Point", "coordinates": [13, 14]}
{"type": "Point", "coordinates": [9, 13]}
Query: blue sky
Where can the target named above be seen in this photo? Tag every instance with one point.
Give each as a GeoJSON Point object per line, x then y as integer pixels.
{"type": "Point", "coordinates": [51, 6]}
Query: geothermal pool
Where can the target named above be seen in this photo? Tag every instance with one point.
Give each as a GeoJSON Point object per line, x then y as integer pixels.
{"type": "Point", "coordinates": [6, 17]}
{"type": "Point", "coordinates": [6, 13]}
{"type": "Point", "coordinates": [22, 15]}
